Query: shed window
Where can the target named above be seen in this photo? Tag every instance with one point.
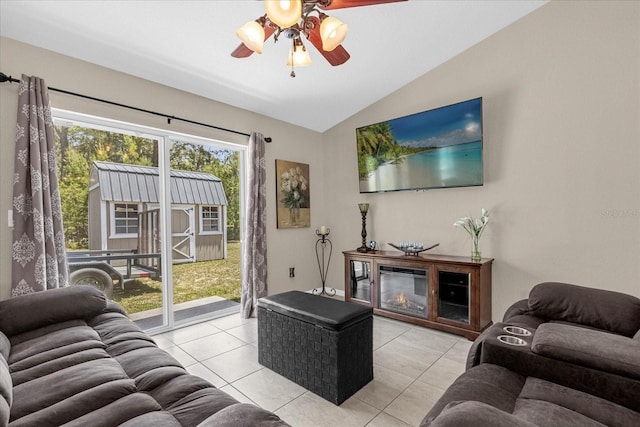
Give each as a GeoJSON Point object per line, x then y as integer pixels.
{"type": "Point", "coordinates": [209, 219]}
{"type": "Point", "coordinates": [125, 219]}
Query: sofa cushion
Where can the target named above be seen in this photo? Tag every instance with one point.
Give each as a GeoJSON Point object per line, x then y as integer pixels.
{"type": "Point", "coordinates": [588, 347]}
{"type": "Point", "coordinates": [70, 407]}
{"type": "Point", "coordinates": [130, 407]}
{"type": "Point", "coordinates": [98, 369]}
{"type": "Point", "coordinates": [490, 395]}
{"type": "Point", "coordinates": [544, 403]}
{"type": "Point", "coordinates": [139, 362]}
{"type": "Point", "coordinates": [622, 390]}
{"type": "Point", "coordinates": [152, 419]}
{"type": "Point", "coordinates": [242, 415]}
{"type": "Point", "coordinates": [69, 382]}
{"type": "Point", "coordinates": [183, 388]}
{"type": "Point", "coordinates": [476, 414]}
{"type": "Point", "coordinates": [547, 414]}
{"type": "Point", "coordinates": [197, 406]}
{"type": "Point", "coordinates": [487, 383]}
{"type": "Point", "coordinates": [39, 348]}
{"type": "Point", "coordinates": [35, 310]}
{"type": "Point", "coordinates": [608, 310]}
{"type": "Point", "coordinates": [55, 360]}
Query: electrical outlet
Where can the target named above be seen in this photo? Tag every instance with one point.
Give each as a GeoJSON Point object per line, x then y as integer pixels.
{"type": "Point", "coordinates": [292, 272]}
{"type": "Point", "coordinates": [10, 220]}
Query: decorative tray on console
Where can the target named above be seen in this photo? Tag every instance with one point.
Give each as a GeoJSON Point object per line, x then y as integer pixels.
{"type": "Point", "coordinates": [412, 248]}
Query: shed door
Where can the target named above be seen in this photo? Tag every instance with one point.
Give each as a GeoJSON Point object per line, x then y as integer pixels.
{"type": "Point", "coordinates": [183, 236]}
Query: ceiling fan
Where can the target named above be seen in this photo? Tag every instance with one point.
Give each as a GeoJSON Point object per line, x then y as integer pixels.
{"type": "Point", "coordinates": [298, 19]}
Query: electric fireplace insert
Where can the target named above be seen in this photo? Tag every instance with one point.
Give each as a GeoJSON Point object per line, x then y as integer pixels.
{"type": "Point", "coordinates": [403, 290]}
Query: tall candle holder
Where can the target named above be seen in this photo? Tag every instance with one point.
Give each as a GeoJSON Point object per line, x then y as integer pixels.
{"type": "Point", "coordinates": [364, 208]}
{"type": "Point", "coordinates": [321, 246]}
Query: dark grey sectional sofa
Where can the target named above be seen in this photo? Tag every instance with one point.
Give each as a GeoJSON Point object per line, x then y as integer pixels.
{"type": "Point", "coordinates": [579, 365]}
{"type": "Point", "coordinates": [71, 357]}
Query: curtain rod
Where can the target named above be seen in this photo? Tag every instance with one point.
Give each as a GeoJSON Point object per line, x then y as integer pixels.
{"type": "Point", "coordinates": [5, 78]}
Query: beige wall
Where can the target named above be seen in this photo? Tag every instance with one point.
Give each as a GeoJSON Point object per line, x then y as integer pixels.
{"type": "Point", "coordinates": [285, 247]}
{"type": "Point", "coordinates": [561, 91]}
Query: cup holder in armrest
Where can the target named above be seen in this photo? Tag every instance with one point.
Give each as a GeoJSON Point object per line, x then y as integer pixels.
{"type": "Point", "coordinates": [511, 340]}
{"type": "Point", "coordinates": [517, 330]}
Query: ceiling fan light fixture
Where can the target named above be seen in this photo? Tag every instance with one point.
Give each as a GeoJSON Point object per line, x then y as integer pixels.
{"type": "Point", "coordinates": [298, 19]}
{"type": "Point", "coordinates": [284, 13]}
{"type": "Point", "coordinates": [298, 55]}
{"type": "Point", "coordinates": [252, 35]}
{"type": "Point", "coordinates": [332, 32]}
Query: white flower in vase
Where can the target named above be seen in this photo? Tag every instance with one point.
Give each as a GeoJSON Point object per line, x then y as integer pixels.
{"type": "Point", "coordinates": [475, 228]}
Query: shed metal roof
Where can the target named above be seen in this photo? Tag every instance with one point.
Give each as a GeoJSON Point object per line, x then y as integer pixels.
{"type": "Point", "coordinates": [121, 182]}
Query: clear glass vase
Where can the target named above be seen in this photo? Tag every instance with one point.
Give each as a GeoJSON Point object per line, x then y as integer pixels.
{"type": "Point", "coordinates": [475, 251]}
{"type": "Point", "coordinates": [294, 215]}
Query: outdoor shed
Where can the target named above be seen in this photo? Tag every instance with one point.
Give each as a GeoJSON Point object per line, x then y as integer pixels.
{"type": "Point", "coordinates": [124, 211]}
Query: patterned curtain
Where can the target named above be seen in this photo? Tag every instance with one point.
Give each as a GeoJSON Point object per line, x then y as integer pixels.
{"type": "Point", "coordinates": [39, 260]}
{"type": "Point", "coordinates": [254, 260]}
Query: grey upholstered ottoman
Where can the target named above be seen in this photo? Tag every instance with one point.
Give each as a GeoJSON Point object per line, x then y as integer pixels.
{"type": "Point", "coordinates": [322, 344]}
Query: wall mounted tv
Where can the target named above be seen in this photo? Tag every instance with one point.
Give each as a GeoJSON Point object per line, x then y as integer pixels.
{"type": "Point", "coordinates": [438, 148]}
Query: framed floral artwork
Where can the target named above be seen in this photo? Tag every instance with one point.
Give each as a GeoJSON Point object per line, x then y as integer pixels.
{"type": "Point", "coordinates": [293, 194]}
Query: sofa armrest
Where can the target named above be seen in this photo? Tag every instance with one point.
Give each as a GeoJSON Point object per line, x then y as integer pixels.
{"type": "Point", "coordinates": [28, 312]}
{"type": "Point", "coordinates": [619, 389]}
{"type": "Point", "coordinates": [519, 314]}
{"type": "Point", "coordinates": [474, 355]}
{"type": "Point", "coordinates": [516, 309]}
{"type": "Point", "coordinates": [114, 307]}
{"type": "Point", "coordinates": [588, 347]}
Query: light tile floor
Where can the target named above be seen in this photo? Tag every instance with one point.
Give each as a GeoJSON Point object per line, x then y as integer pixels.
{"type": "Point", "coordinates": [412, 368]}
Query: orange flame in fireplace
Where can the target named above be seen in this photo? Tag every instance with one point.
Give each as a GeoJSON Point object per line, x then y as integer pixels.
{"type": "Point", "coordinates": [401, 299]}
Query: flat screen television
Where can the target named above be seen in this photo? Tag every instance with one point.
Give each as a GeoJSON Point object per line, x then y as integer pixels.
{"type": "Point", "coordinates": [439, 148]}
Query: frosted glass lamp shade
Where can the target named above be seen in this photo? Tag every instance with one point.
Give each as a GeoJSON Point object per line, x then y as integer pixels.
{"type": "Point", "coordinates": [298, 56]}
{"type": "Point", "coordinates": [284, 13]}
{"type": "Point", "coordinates": [332, 32]}
{"type": "Point", "coordinates": [252, 35]}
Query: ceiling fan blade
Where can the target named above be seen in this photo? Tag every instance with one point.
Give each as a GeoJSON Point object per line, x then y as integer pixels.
{"type": "Point", "coordinates": [337, 56]}
{"type": "Point", "coordinates": [243, 51]}
{"type": "Point", "coordinates": [342, 4]}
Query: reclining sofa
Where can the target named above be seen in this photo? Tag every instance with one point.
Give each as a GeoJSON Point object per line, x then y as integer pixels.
{"type": "Point", "coordinates": [566, 356]}
{"type": "Point", "coordinates": [71, 357]}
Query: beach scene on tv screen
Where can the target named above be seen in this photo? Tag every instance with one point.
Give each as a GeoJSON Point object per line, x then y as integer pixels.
{"type": "Point", "coordinates": [434, 149]}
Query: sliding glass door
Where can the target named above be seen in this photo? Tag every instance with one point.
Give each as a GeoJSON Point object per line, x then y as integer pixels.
{"type": "Point", "coordinates": [152, 218]}
{"type": "Point", "coordinates": [205, 227]}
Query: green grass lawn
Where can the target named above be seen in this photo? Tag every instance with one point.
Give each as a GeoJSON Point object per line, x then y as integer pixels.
{"type": "Point", "coordinates": [191, 281]}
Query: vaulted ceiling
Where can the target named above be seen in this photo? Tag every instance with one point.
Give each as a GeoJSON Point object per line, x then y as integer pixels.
{"type": "Point", "coordinates": [187, 45]}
